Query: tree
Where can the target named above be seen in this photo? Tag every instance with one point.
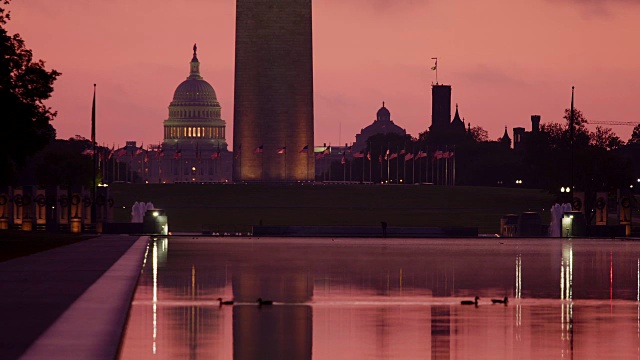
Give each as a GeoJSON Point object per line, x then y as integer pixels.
{"type": "Point", "coordinates": [24, 85]}
{"type": "Point", "coordinates": [635, 135]}
{"type": "Point", "coordinates": [581, 136]}
{"type": "Point", "coordinates": [604, 138]}
{"type": "Point", "coordinates": [478, 134]}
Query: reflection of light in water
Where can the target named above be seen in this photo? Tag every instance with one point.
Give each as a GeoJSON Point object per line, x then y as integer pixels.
{"type": "Point", "coordinates": [518, 295]}
{"type": "Point", "coordinates": [566, 272]}
{"type": "Point", "coordinates": [400, 280]}
{"type": "Point", "coordinates": [518, 321]}
{"type": "Point", "coordinates": [155, 295]}
{"type": "Point", "coordinates": [518, 276]}
{"type": "Point", "coordinates": [144, 260]}
{"type": "Point", "coordinates": [566, 293]}
{"type": "Point", "coordinates": [567, 327]}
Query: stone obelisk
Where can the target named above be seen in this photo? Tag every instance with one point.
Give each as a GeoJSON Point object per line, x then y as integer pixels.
{"type": "Point", "coordinates": [273, 105]}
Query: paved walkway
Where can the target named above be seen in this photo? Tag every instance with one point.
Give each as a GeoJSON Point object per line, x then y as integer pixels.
{"type": "Point", "coordinates": [39, 310]}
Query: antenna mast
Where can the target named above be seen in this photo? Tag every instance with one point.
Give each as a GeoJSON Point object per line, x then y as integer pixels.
{"type": "Point", "coordinates": [435, 68]}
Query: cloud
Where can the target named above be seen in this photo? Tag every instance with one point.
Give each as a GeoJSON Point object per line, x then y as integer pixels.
{"type": "Point", "coordinates": [490, 75]}
{"type": "Point", "coordinates": [379, 6]}
{"type": "Point", "coordinates": [598, 8]}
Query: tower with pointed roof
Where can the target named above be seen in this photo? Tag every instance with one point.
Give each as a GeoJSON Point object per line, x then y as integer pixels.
{"type": "Point", "coordinates": [505, 139]}
{"type": "Point", "coordinates": [457, 125]}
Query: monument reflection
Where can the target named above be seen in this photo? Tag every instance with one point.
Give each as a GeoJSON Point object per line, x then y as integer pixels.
{"type": "Point", "coordinates": [385, 299]}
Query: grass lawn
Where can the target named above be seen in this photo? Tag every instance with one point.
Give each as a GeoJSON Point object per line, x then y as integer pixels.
{"type": "Point", "coordinates": [194, 208]}
{"type": "Point", "coordinates": [15, 244]}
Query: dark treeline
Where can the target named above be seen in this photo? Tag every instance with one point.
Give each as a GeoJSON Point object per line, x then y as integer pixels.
{"type": "Point", "coordinates": [68, 163]}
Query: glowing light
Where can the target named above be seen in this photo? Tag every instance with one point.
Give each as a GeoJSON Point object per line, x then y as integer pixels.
{"type": "Point", "coordinates": [518, 276]}
{"type": "Point", "coordinates": [155, 213]}
{"type": "Point", "coordinates": [155, 294]}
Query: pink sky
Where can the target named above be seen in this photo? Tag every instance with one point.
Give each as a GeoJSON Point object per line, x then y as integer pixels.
{"type": "Point", "coordinates": [505, 60]}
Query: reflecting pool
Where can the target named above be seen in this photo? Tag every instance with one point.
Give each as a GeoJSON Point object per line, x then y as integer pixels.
{"type": "Point", "coordinates": [386, 299]}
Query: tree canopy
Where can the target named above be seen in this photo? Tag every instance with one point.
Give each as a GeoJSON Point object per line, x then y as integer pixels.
{"type": "Point", "coordinates": [24, 86]}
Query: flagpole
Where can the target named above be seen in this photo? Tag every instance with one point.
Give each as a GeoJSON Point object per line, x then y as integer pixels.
{"type": "Point", "coordinates": [95, 164]}
{"type": "Point", "coordinates": [454, 165]}
{"type": "Point", "coordinates": [307, 153]}
{"type": "Point", "coordinates": [446, 167]}
{"type": "Point", "coordinates": [388, 166]}
{"type": "Point", "coordinates": [571, 132]}
{"type": "Point", "coordinates": [435, 68]}
{"type": "Point", "coordinates": [419, 168]}
{"type": "Point", "coordinates": [369, 157]}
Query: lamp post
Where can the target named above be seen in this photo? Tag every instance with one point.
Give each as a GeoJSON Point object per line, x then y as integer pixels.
{"type": "Point", "coordinates": [566, 190]}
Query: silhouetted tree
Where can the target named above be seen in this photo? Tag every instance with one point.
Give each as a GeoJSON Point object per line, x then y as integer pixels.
{"type": "Point", "coordinates": [605, 138]}
{"type": "Point", "coordinates": [478, 134]}
{"type": "Point", "coordinates": [635, 135]}
{"type": "Point", "coordinates": [24, 119]}
{"type": "Point", "coordinates": [581, 136]}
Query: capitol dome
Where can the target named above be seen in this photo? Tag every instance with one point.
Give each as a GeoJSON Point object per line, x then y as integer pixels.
{"type": "Point", "coordinates": [194, 112]}
{"type": "Point", "coordinates": [194, 91]}
{"type": "Point", "coordinates": [383, 114]}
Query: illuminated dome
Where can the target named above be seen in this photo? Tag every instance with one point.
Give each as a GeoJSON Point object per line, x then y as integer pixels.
{"type": "Point", "coordinates": [195, 90]}
{"type": "Point", "coordinates": [194, 113]}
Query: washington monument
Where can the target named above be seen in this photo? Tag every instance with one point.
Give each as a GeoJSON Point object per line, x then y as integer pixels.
{"type": "Point", "coordinates": [273, 109]}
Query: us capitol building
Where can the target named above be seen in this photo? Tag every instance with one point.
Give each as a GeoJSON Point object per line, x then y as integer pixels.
{"type": "Point", "coordinates": [194, 149]}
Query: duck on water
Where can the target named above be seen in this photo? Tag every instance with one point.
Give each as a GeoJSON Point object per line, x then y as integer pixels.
{"type": "Point", "coordinates": [469, 302]}
{"type": "Point", "coordinates": [264, 302]}
{"type": "Point", "coordinates": [225, 302]}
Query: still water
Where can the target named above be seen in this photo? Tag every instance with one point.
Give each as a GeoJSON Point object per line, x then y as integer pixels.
{"type": "Point", "coordinates": [386, 299]}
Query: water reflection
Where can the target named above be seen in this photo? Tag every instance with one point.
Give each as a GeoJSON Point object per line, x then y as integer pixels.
{"type": "Point", "coordinates": [392, 299]}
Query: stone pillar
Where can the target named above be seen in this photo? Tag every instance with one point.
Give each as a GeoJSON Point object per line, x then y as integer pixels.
{"type": "Point", "coordinates": [76, 207]}
{"type": "Point", "coordinates": [63, 208]}
{"type": "Point", "coordinates": [5, 207]}
{"type": "Point", "coordinates": [86, 210]}
{"type": "Point", "coordinates": [40, 215]}
{"type": "Point", "coordinates": [28, 208]}
{"type": "Point", "coordinates": [18, 207]}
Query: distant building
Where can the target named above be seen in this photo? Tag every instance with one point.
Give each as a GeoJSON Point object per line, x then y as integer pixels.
{"type": "Point", "coordinates": [381, 125]}
{"type": "Point", "coordinates": [194, 149]}
{"type": "Point", "coordinates": [273, 107]}
{"type": "Point", "coordinates": [520, 136]}
{"type": "Point", "coordinates": [443, 130]}
{"type": "Point", "coordinates": [505, 139]}
{"type": "Point", "coordinates": [440, 108]}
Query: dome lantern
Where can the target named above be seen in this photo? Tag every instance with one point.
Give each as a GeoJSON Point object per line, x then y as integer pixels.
{"type": "Point", "coordinates": [195, 65]}
{"type": "Point", "coordinates": [383, 114]}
